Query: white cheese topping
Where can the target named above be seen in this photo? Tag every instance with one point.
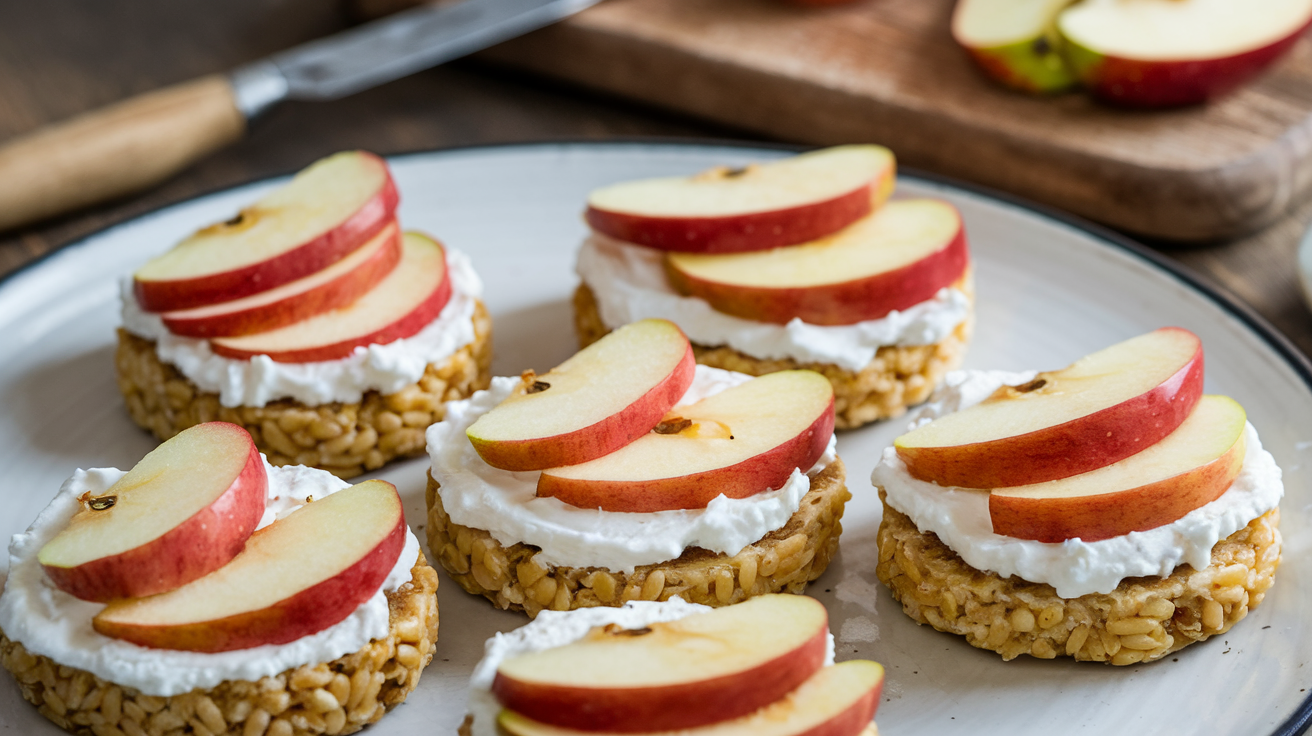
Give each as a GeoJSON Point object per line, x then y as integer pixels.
{"type": "Point", "coordinates": [48, 621]}
{"type": "Point", "coordinates": [960, 516]}
{"type": "Point", "coordinates": [629, 283]}
{"type": "Point", "coordinates": [553, 629]}
{"type": "Point", "coordinates": [505, 503]}
{"type": "Point", "coordinates": [385, 368]}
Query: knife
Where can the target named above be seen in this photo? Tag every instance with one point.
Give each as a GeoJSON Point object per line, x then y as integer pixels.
{"type": "Point", "coordinates": [143, 140]}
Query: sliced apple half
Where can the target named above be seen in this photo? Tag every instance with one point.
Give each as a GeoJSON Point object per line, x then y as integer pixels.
{"type": "Point", "coordinates": [1155, 53]}
{"type": "Point", "coordinates": [324, 213]}
{"type": "Point", "coordinates": [1101, 409]}
{"type": "Point", "coordinates": [893, 259]}
{"type": "Point", "coordinates": [336, 286]}
{"type": "Point", "coordinates": [753, 208]}
{"type": "Point", "coordinates": [184, 511]}
{"type": "Point", "coordinates": [409, 297]}
{"type": "Point", "coordinates": [1015, 41]}
{"type": "Point", "coordinates": [836, 701]}
{"type": "Point", "coordinates": [606, 396]}
{"type": "Point", "coordinates": [746, 440]}
{"type": "Point", "coordinates": [700, 669]}
{"type": "Point", "coordinates": [301, 574]}
{"type": "Point", "coordinates": [1189, 468]}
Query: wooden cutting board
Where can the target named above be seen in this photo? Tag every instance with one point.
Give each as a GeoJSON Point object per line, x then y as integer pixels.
{"type": "Point", "coordinates": [887, 71]}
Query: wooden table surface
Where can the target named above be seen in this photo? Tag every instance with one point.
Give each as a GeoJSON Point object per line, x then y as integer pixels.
{"type": "Point", "coordinates": [61, 57]}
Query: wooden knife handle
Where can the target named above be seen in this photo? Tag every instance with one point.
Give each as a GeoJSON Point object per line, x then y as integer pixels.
{"type": "Point", "coordinates": [116, 150]}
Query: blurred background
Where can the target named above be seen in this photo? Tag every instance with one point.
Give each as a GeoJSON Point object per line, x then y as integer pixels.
{"type": "Point", "coordinates": [59, 58]}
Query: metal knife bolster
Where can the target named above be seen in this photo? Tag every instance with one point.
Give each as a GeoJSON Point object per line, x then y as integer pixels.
{"type": "Point", "coordinates": [258, 86]}
{"type": "Point", "coordinates": [388, 49]}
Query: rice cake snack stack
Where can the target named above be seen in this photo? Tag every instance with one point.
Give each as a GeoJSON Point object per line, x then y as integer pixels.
{"type": "Point", "coordinates": [794, 264]}
{"type": "Point", "coordinates": [1108, 511]}
{"type": "Point", "coordinates": [761, 668]}
{"type": "Point", "coordinates": [631, 473]}
{"type": "Point", "coordinates": [311, 320]}
{"type": "Point", "coordinates": [160, 601]}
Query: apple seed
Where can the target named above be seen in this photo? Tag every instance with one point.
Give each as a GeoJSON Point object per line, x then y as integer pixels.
{"type": "Point", "coordinates": [672, 426]}
{"type": "Point", "coordinates": [617, 630]}
{"type": "Point", "coordinates": [103, 502]}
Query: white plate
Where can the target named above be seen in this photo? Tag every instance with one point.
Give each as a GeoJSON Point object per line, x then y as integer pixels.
{"type": "Point", "coordinates": [1049, 292]}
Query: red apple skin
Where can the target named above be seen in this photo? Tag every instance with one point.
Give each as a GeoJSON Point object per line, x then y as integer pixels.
{"type": "Point", "coordinates": [339, 292]}
{"type": "Point", "coordinates": [752, 476]}
{"type": "Point", "coordinates": [668, 708]}
{"type": "Point", "coordinates": [602, 438]}
{"type": "Point", "coordinates": [306, 612]}
{"type": "Point", "coordinates": [1138, 83]}
{"type": "Point", "coordinates": [303, 260]}
{"type": "Point", "coordinates": [198, 546]}
{"type": "Point", "coordinates": [852, 721]}
{"type": "Point", "coordinates": [747, 232]}
{"type": "Point", "coordinates": [1078, 446]}
{"type": "Point", "coordinates": [843, 303]}
{"type": "Point", "coordinates": [407, 326]}
{"type": "Point", "coordinates": [1107, 515]}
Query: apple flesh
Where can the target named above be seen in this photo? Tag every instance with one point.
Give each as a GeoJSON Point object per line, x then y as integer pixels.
{"type": "Point", "coordinates": [1191, 467]}
{"type": "Point", "coordinates": [324, 213]}
{"type": "Point", "coordinates": [404, 302]}
{"type": "Point", "coordinates": [297, 576]}
{"type": "Point", "coordinates": [1101, 409]}
{"type": "Point", "coordinates": [697, 670]}
{"type": "Point", "coordinates": [184, 511]}
{"type": "Point", "coordinates": [746, 440]}
{"type": "Point", "coordinates": [336, 286]}
{"type": "Point", "coordinates": [837, 701]}
{"type": "Point", "coordinates": [1015, 42]}
{"type": "Point", "coordinates": [895, 258]}
{"type": "Point", "coordinates": [606, 396]}
{"type": "Point", "coordinates": [758, 207]}
{"type": "Point", "coordinates": [1159, 53]}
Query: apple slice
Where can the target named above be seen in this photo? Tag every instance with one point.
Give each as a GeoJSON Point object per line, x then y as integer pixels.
{"type": "Point", "coordinates": [1101, 409]}
{"type": "Point", "coordinates": [184, 511]}
{"type": "Point", "coordinates": [896, 258]}
{"type": "Point", "coordinates": [697, 670]}
{"type": "Point", "coordinates": [402, 304]}
{"type": "Point", "coordinates": [1155, 53]}
{"type": "Point", "coordinates": [606, 396]}
{"type": "Point", "coordinates": [738, 443]}
{"type": "Point", "coordinates": [837, 701]}
{"type": "Point", "coordinates": [327, 211]}
{"type": "Point", "coordinates": [1189, 468]}
{"type": "Point", "coordinates": [336, 286]}
{"type": "Point", "coordinates": [758, 207]}
{"type": "Point", "coordinates": [1015, 42]}
{"type": "Point", "coordinates": [301, 574]}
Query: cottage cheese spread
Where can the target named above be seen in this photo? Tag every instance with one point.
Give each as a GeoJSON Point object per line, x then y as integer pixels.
{"type": "Point", "coordinates": [629, 283]}
{"type": "Point", "coordinates": [556, 629]}
{"type": "Point", "coordinates": [960, 516]}
{"type": "Point", "coordinates": [505, 503]}
{"type": "Point", "coordinates": [49, 621]}
{"type": "Point", "coordinates": [385, 368]}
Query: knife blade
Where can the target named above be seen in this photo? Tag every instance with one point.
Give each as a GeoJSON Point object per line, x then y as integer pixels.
{"type": "Point", "coordinates": [141, 141]}
{"type": "Point", "coordinates": [391, 48]}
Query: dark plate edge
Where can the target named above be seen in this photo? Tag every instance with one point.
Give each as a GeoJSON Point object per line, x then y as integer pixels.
{"type": "Point", "coordinates": [1299, 721]}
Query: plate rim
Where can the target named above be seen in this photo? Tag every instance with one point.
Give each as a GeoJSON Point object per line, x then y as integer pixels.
{"type": "Point", "coordinates": [1299, 720]}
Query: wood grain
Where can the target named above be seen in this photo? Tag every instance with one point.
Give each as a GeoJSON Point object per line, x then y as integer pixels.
{"type": "Point", "coordinates": [62, 57]}
{"type": "Point", "coordinates": [887, 71]}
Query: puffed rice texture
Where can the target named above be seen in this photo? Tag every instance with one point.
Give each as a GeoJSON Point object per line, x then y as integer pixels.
{"type": "Point", "coordinates": [785, 560]}
{"type": "Point", "coordinates": [1142, 620]}
{"type": "Point", "coordinates": [343, 439]}
{"type": "Point", "coordinates": [338, 697]}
